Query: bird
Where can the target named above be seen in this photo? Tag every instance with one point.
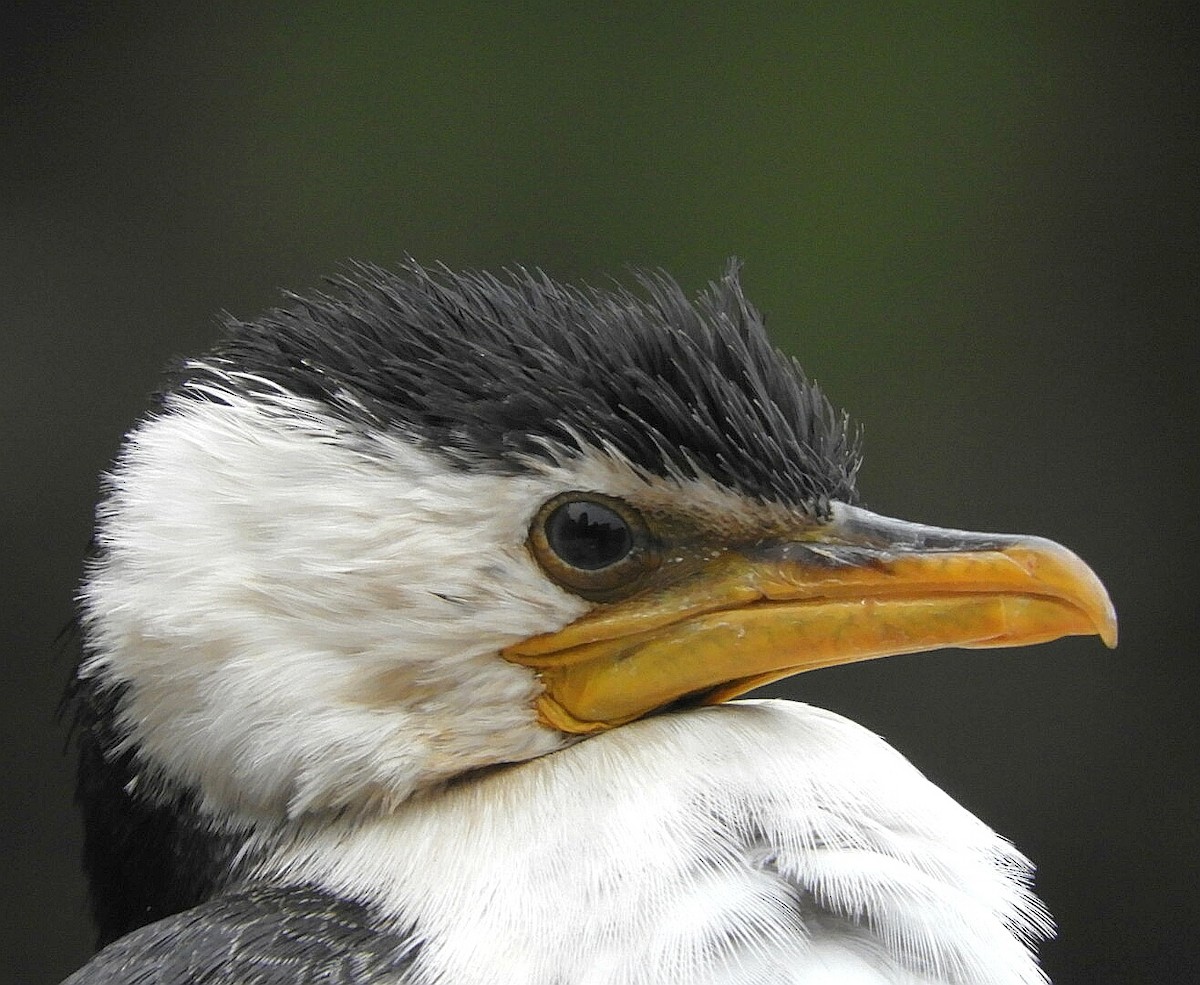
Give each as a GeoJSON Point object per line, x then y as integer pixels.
{"type": "Point", "coordinates": [416, 630]}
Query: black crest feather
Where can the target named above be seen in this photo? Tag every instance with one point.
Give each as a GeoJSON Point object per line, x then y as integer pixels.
{"type": "Point", "coordinates": [494, 371]}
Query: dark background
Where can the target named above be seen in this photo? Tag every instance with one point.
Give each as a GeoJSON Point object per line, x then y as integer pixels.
{"type": "Point", "coordinates": [974, 223]}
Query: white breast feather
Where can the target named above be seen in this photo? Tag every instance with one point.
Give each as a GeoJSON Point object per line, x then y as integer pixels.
{"type": "Point", "coordinates": [750, 843]}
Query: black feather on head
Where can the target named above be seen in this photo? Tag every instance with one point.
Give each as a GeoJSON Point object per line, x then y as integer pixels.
{"type": "Point", "coordinates": [494, 372]}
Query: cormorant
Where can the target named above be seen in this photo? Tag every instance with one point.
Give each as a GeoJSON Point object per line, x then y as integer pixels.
{"type": "Point", "coordinates": [409, 625]}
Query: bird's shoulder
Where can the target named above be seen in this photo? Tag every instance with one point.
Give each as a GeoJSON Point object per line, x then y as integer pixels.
{"type": "Point", "coordinates": [265, 935]}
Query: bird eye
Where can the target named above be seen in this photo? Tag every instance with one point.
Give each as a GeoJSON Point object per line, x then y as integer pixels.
{"type": "Point", "coordinates": [588, 535]}
{"type": "Point", "coordinates": [593, 545]}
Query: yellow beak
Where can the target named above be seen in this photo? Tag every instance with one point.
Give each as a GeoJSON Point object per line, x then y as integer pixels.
{"type": "Point", "coordinates": [858, 587]}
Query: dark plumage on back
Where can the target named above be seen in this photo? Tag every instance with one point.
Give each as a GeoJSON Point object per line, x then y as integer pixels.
{"type": "Point", "coordinates": [260, 936]}
{"type": "Point", "coordinates": [495, 372]}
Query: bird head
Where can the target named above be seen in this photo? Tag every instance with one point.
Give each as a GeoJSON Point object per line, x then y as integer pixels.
{"type": "Point", "coordinates": [432, 522]}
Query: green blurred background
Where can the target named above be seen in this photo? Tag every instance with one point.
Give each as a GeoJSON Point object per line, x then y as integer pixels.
{"type": "Point", "coordinates": [974, 222]}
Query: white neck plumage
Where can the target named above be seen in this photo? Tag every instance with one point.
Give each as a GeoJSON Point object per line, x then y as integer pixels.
{"type": "Point", "coordinates": [748, 843]}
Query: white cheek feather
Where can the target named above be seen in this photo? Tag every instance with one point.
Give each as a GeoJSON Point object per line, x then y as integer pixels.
{"type": "Point", "coordinates": [306, 624]}
{"type": "Point", "coordinates": [309, 618]}
{"type": "Point", "coordinates": [754, 842]}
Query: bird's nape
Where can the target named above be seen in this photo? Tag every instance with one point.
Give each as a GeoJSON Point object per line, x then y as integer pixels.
{"type": "Point", "coordinates": [409, 608]}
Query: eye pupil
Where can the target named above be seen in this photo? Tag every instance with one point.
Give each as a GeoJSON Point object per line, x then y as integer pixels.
{"type": "Point", "coordinates": [588, 535]}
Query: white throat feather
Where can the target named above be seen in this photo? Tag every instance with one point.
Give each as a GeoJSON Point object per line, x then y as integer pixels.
{"type": "Point", "coordinates": [753, 842]}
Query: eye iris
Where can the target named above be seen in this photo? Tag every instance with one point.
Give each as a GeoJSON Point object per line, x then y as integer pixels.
{"type": "Point", "coordinates": [588, 536]}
